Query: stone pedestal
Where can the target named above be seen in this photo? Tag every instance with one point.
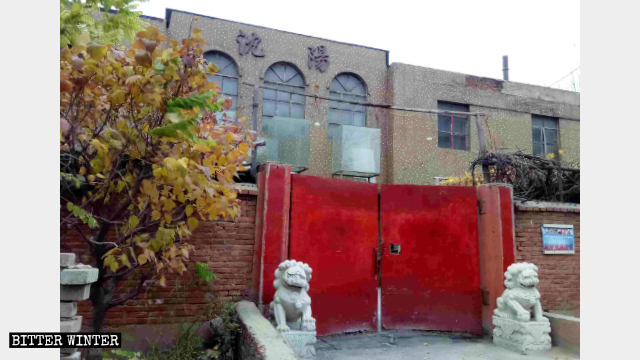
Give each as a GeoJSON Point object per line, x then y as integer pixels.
{"type": "Point", "coordinates": [75, 285]}
{"type": "Point", "coordinates": [522, 336]}
{"type": "Point", "coordinates": [302, 342]}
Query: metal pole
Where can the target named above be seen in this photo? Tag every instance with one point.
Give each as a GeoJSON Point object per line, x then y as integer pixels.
{"type": "Point", "coordinates": [505, 67]}
{"type": "Point", "coordinates": [254, 124]}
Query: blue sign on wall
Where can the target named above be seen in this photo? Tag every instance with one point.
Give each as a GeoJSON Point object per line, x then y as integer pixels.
{"type": "Point", "coordinates": [557, 239]}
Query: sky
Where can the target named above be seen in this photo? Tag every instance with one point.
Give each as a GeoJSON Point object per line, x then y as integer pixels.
{"type": "Point", "coordinates": [541, 37]}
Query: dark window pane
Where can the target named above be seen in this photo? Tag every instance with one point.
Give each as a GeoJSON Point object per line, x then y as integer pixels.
{"type": "Point", "coordinates": [460, 142]}
{"type": "Point", "coordinates": [538, 149]}
{"type": "Point", "coordinates": [347, 117]}
{"type": "Point", "coordinates": [537, 134]}
{"type": "Point", "coordinates": [444, 123]}
{"type": "Point", "coordinates": [443, 105]}
{"type": "Point", "coordinates": [550, 137]}
{"type": "Point", "coordinates": [551, 123]}
{"type": "Point", "coordinates": [230, 86]}
{"type": "Point", "coordinates": [268, 108]}
{"type": "Point", "coordinates": [334, 116]}
{"type": "Point", "coordinates": [460, 125]}
{"type": "Point", "coordinates": [297, 111]}
{"type": "Point", "coordinates": [297, 98]}
{"type": "Point", "coordinates": [359, 119]}
{"type": "Point", "coordinates": [444, 140]}
{"type": "Point", "coordinates": [282, 109]}
{"type": "Point", "coordinates": [283, 96]}
{"type": "Point", "coordinates": [269, 94]}
{"type": "Point", "coordinates": [537, 122]}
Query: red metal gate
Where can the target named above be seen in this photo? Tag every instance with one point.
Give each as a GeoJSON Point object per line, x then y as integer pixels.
{"type": "Point", "coordinates": [334, 228]}
{"type": "Point", "coordinates": [430, 263]}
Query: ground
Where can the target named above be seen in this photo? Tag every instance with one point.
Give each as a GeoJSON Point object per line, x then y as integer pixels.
{"type": "Point", "coordinates": [392, 345]}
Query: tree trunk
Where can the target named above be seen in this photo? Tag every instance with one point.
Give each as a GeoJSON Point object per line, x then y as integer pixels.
{"type": "Point", "coordinates": [100, 294]}
{"type": "Point", "coordinates": [99, 305]}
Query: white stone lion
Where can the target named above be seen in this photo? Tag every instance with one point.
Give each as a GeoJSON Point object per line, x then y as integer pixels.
{"type": "Point", "coordinates": [521, 300]}
{"type": "Point", "coordinates": [291, 304]}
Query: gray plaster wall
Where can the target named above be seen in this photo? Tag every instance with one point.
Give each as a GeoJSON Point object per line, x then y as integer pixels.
{"type": "Point", "coordinates": [367, 63]}
{"type": "Point", "coordinates": [409, 151]}
{"type": "Point", "coordinates": [509, 106]}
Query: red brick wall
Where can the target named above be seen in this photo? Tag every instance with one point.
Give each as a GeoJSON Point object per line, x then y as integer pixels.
{"type": "Point", "coordinates": [559, 274]}
{"type": "Point", "coordinates": [227, 246]}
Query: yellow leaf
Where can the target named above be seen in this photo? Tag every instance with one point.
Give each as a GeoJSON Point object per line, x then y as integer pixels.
{"type": "Point", "coordinates": [133, 221]}
{"type": "Point", "coordinates": [169, 205]}
{"type": "Point", "coordinates": [125, 260]}
{"type": "Point", "coordinates": [168, 218]}
{"type": "Point", "coordinates": [244, 148]}
{"type": "Point", "coordinates": [192, 223]}
{"type": "Point", "coordinates": [97, 51]}
{"type": "Point", "coordinates": [114, 266]}
{"type": "Point", "coordinates": [142, 259]}
{"type": "Point", "coordinates": [163, 281]}
{"type": "Point", "coordinates": [189, 210]}
{"type": "Point", "coordinates": [155, 215]}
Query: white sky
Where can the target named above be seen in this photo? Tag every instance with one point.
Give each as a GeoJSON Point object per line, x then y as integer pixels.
{"type": "Point", "coordinates": [541, 37]}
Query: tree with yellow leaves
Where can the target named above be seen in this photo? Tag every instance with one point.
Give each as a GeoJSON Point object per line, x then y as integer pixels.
{"type": "Point", "coordinates": [143, 158]}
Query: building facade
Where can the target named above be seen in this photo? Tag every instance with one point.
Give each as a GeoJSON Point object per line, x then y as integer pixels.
{"type": "Point", "coordinates": [335, 109]}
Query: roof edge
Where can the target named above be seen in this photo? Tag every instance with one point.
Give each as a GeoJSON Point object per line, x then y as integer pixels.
{"type": "Point", "coordinates": [169, 11]}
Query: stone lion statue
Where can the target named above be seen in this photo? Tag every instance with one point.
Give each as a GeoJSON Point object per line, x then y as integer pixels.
{"type": "Point", "coordinates": [521, 300]}
{"type": "Point", "coordinates": [291, 304]}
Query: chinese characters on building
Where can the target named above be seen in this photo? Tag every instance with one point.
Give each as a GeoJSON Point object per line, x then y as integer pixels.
{"type": "Point", "coordinates": [318, 58]}
{"type": "Point", "coordinates": [248, 44]}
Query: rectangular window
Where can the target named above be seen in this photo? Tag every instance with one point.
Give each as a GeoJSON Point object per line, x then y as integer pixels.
{"type": "Point", "coordinates": [544, 134]}
{"type": "Point", "coordinates": [453, 129]}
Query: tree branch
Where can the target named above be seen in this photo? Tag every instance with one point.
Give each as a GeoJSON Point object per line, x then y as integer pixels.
{"type": "Point", "coordinates": [143, 284]}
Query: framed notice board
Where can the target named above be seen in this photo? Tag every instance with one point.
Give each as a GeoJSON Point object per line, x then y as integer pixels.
{"type": "Point", "coordinates": [557, 239]}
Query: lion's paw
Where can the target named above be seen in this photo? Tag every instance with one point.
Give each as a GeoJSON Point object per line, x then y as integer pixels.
{"type": "Point", "coordinates": [283, 328]}
{"type": "Point", "coordinates": [524, 316]}
{"type": "Point", "coordinates": [309, 324]}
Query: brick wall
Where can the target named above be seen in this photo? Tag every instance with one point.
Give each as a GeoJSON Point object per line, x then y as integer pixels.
{"type": "Point", "coordinates": [559, 274]}
{"type": "Point", "coordinates": [227, 246]}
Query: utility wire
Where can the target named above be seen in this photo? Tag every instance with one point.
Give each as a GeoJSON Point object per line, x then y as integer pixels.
{"type": "Point", "coordinates": [383, 106]}
{"type": "Point", "coordinates": [564, 77]}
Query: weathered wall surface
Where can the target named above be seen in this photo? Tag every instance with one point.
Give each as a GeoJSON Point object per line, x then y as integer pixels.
{"type": "Point", "coordinates": [559, 274]}
{"type": "Point", "coordinates": [417, 159]}
{"type": "Point", "coordinates": [409, 151]}
{"type": "Point", "coordinates": [227, 246]}
{"type": "Point", "coordinates": [367, 63]}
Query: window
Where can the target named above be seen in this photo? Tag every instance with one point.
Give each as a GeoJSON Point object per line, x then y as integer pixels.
{"type": "Point", "coordinates": [283, 93]}
{"type": "Point", "coordinates": [544, 134]}
{"type": "Point", "coordinates": [453, 129]}
{"type": "Point", "coordinates": [226, 78]}
{"type": "Point", "coordinates": [347, 87]}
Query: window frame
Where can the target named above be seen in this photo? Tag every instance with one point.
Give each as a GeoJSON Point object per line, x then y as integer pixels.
{"type": "Point", "coordinates": [544, 120]}
{"type": "Point", "coordinates": [236, 96]}
{"type": "Point", "coordinates": [452, 106]}
{"type": "Point", "coordinates": [338, 98]}
{"type": "Point", "coordinates": [291, 90]}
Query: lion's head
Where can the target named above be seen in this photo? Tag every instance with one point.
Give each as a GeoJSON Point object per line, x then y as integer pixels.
{"type": "Point", "coordinates": [293, 274]}
{"type": "Point", "coordinates": [521, 275]}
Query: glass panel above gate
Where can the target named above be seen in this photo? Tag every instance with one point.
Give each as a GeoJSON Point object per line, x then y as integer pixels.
{"type": "Point", "coordinates": [356, 151]}
{"type": "Point", "coordinates": [287, 142]}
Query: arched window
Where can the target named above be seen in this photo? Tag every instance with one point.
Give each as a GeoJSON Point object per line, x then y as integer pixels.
{"type": "Point", "coordinates": [347, 87]}
{"type": "Point", "coordinates": [226, 78]}
{"type": "Point", "coordinates": [283, 93]}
